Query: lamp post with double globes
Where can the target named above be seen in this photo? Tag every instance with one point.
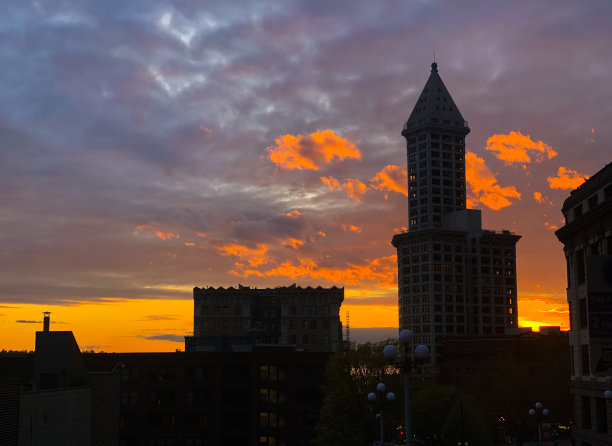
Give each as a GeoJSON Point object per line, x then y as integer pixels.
{"type": "Point", "coordinates": [390, 396]}
{"type": "Point", "coordinates": [405, 361]}
{"type": "Point", "coordinates": [539, 413]}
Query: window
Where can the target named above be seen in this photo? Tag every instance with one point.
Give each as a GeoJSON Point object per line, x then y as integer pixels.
{"type": "Point", "coordinates": [129, 397]}
{"type": "Point", "coordinates": [593, 201]}
{"type": "Point", "coordinates": [197, 373]}
{"type": "Point", "coordinates": [270, 419]}
{"type": "Point", "coordinates": [601, 415]}
{"type": "Point", "coordinates": [585, 403]}
{"type": "Point", "coordinates": [129, 373]}
{"type": "Point", "coordinates": [161, 373]}
{"type": "Point", "coordinates": [161, 396]}
{"type": "Point", "coordinates": [198, 396]}
{"type": "Point", "coordinates": [578, 211]}
{"type": "Point", "coordinates": [584, 357]}
{"type": "Point", "coordinates": [271, 373]}
{"type": "Point", "coordinates": [582, 312]}
{"type": "Point", "coordinates": [160, 420]}
{"type": "Point", "coordinates": [580, 268]}
{"type": "Point", "coordinates": [195, 420]}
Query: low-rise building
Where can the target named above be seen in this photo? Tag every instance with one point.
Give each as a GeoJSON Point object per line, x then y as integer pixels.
{"type": "Point", "coordinates": [226, 318]}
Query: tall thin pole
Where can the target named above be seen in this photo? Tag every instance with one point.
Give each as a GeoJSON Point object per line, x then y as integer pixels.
{"type": "Point", "coordinates": [462, 431]}
{"type": "Point", "coordinates": [382, 429]}
{"type": "Point", "coordinates": [407, 404]}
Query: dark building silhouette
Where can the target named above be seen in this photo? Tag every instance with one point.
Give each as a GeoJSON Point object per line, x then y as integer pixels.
{"type": "Point", "coordinates": [507, 374]}
{"type": "Point", "coordinates": [51, 398]}
{"type": "Point", "coordinates": [587, 240]}
{"type": "Point", "coordinates": [228, 319]}
{"type": "Point", "coordinates": [268, 396]}
{"type": "Point", "coordinates": [245, 394]}
{"type": "Point", "coordinates": [454, 278]}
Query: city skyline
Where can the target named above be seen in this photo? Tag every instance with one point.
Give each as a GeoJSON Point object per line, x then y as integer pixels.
{"type": "Point", "coordinates": [148, 148]}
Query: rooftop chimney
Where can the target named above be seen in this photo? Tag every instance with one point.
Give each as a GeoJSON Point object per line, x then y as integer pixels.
{"type": "Point", "coordinates": [46, 320]}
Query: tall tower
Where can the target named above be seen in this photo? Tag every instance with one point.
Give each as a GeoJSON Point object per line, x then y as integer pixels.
{"type": "Point", "coordinates": [454, 278]}
{"type": "Point", "coordinates": [435, 134]}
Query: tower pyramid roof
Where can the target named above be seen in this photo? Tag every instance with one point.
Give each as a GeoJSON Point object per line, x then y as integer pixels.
{"type": "Point", "coordinates": [435, 106]}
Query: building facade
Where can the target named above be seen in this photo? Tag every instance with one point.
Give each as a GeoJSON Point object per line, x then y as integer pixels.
{"type": "Point", "coordinates": [507, 374]}
{"type": "Point", "coordinates": [50, 397]}
{"type": "Point", "coordinates": [306, 318]}
{"type": "Point", "coordinates": [454, 278]}
{"type": "Point", "coordinates": [587, 240]}
{"type": "Point", "coordinates": [268, 396]}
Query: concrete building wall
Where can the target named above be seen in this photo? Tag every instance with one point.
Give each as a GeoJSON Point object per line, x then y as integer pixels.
{"type": "Point", "coordinates": [55, 418]}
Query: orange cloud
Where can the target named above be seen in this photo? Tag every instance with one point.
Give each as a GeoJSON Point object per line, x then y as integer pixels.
{"type": "Point", "coordinates": [166, 235]}
{"type": "Point", "coordinates": [331, 182]}
{"type": "Point", "coordinates": [293, 214]}
{"type": "Point", "coordinates": [542, 199]}
{"type": "Point", "coordinates": [157, 232]}
{"type": "Point", "coordinates": [382, 271]}
{"type": "Point", "coordinates": [292, 243]}
{"type": "Point", "coordinates": [566, 179]}
{"type": "Point", "coordinates": [253, 256]}
{"type": "Point", "coordinates": [355, 188]}
{"type": "Point", "coordinates": [310, 152]}
{"type": "Point", "coordinates": [484, 187]}
{"type": "Point", "coordinates": [352, 228]}
{"type": "Point", "coordinates": [551, 227]}
{"type": "Point", "coordinates": [189, 244]}
{"type": "Point", "coordinates": [391, 178]}
{"type": "Point", "coordinates": [516, 147]}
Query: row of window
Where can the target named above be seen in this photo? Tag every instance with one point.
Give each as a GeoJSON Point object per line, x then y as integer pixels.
{"type": "Point", "coordinates": [461, 330]}
{"type": "Point", "coordinates": [591, 202]}
{"type": "Point", "coordinates": [415, 309]}
{"type": "Point", "coordinates": [437, 136]}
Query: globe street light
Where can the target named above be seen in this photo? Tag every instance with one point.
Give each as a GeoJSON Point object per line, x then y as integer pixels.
{"type": "Point", "coordinates": [539, 412]}
{"type": "Point", "coordinates": [406, 363]}
{"type": "Point", "coordinates": [390, 396]}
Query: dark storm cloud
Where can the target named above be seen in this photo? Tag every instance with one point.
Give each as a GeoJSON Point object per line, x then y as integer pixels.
{"type": "Point", "coordinates": [156, 115]}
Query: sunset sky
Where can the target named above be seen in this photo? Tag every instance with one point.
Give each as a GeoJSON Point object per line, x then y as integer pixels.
{"type": "Point", "coordinates": [147, 147]}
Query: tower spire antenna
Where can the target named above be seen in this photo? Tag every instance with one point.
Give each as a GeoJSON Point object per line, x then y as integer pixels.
{"type": "Point", "coordinates": [434, 57]}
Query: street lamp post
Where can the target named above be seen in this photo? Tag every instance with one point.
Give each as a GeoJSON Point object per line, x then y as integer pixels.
{"type": "Point", "coordinates": [405, 362]}
{"type": "Point", "coordinates": [390, 396]}
{"type": "Point", "coordinates": [538, 412]}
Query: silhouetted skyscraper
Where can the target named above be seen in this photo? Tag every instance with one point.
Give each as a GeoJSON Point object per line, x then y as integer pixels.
{"type": "Point", "coordinates": [454, 278]}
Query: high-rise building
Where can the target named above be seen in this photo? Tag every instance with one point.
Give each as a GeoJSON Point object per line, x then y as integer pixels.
{"type": "Point", "coordinates": [587, 240]}
{"type": "Point", "coordinates": [228, 318]}
{"type": "Point", "coordinates": [454, 278]}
